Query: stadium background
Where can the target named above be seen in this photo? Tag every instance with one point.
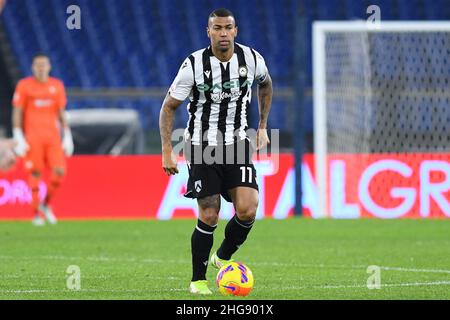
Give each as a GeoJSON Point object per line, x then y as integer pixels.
{"type": "Point", "coordinates": [124, 58]}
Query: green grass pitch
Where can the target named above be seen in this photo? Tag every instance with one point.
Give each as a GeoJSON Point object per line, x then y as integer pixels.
{"type": "Point", "coordinates": [290, 259]}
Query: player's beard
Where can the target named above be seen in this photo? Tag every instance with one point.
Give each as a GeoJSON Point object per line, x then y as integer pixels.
{"type": "Point", "coordinates": [226, 48]}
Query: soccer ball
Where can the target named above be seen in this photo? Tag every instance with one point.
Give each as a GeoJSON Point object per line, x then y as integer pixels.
{"type": "Point", "coordinates": [235, 279]}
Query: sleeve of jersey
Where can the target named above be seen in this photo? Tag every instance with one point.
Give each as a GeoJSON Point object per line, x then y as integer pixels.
{"type": "Point", "coordinates": [19, 97]}
{"type": "Point", "coordinates": [183, 83]}
{"type": "Point", "coordinates": [261, 69]}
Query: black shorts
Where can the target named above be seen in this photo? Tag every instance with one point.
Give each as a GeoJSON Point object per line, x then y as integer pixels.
{"type": "Point", "coordinates": [223, 168]}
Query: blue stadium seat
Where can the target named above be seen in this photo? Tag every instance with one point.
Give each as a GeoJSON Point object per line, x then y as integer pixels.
{"type": "Point", "coordinates": [411, 9]}
{"type": "Point", "coordinates": [141, 43]}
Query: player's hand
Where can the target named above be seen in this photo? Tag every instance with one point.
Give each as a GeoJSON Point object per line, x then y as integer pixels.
{"type": "Point", "coordinates": [169, 162]}
{"type": "Point", "coordinates": [7, 156]}
{"type": "Point", "coordinates": [21, 146]}
{"type": "Point", "coordinates": [67, 142]}
{"type": "Point", "coordinates": [262, 139]}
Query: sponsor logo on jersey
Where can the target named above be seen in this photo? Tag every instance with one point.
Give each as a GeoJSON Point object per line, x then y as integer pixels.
{"type": "Point", "coordinates": [217, 97]}
{"type": "Point", "coordinates": [226, 85]}
{"type": "Point", "coordinates": [42, 103]}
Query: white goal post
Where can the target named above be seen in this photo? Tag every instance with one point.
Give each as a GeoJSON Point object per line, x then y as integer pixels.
{"type": "Point", "coordinates": [369, 82]}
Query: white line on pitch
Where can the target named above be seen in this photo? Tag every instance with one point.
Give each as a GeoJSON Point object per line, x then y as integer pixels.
{"type": "Point", "coordinates": [310, 265]}
{"type": "Point", "coordinates": [91, 290]}
{"type": "Point", "coordinates": [415, 270]}
{"type": "Point", "coordinates": [58, 277]}
{"type": "Point", "coordinates": [405, 284]}
{"type": "Point", "coordinates": [279, 264]}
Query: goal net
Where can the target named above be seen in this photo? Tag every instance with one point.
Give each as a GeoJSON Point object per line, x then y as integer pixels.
{"type": "Point", "coordinates": [377, 91]}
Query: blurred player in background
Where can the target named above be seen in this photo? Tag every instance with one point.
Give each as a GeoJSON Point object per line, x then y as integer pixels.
{"type": "Point", "coordinates": [218, 82]}
{"type": "Point", "coordinates": [2, 5]}
{"type": "Point", "coordinates": [38, 118]}
{"type": "Point", "coordinates": [7, 156]}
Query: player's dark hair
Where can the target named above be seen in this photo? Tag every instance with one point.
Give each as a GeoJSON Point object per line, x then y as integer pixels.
{"type": "Point", "coordinates": [40, 55]}
{"type": "Point", "coordinates": [222, 12]}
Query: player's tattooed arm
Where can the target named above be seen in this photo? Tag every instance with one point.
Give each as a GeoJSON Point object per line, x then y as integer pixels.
{"type": "Point", "coordinates": [265, 93]}
{"type": "Point", "coordinates": [7, 156]}
{"type": "Point", "coordinates": [166, 119]}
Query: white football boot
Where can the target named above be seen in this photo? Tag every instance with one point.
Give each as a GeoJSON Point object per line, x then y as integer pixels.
{"type": "Point", "coordinates": [38, 221]}
{"type": "Point", "coordinates": [48, 213]}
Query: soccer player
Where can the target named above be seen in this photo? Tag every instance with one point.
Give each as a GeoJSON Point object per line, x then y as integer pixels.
{"type": "Point", "coordinates": [38, 117]}
{"type": "Point", "coordinates": [218, 82]}
{"type": "Point", "coordinates": [7, 156]}
{"type": "Point", "coordinates": [2, 5]}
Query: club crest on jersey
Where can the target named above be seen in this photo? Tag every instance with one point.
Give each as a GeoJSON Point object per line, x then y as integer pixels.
{"type": "Point", "coordinates": [198, 185]}
{"type": "Point", "coordinates": [243, 71]}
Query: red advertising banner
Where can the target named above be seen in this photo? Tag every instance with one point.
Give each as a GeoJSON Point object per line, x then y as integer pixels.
{"type": "Point", "coordinates": [129, 187]}
{"type": "Point", "coordinates": [135, 187]}
{"type": "Point", "coordinates": [382, 186]}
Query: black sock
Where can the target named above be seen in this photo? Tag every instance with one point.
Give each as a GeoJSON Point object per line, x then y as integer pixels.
{"type": "Point", "coordinates": [236, 233]}
{"type": "Point", "coordinates": [201, 243]}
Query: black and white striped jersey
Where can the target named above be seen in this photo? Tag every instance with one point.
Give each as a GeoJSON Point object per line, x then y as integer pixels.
{"type": "Point", "coordinates": [219, 93]}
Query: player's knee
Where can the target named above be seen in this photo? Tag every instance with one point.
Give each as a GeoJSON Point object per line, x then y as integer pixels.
{"type": "Point", "coordinates": [209, 208]}
{"type": "Point", "coordinates": [209, 216]}
{"type": "Point", "coordinates": [210, 203]}
{"type": "Point", "coordinates": [36, 174]}
{"type": "Point", "coordinates": [59, 172]}
{"type": "Point", "coordinates": [246, 211]}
